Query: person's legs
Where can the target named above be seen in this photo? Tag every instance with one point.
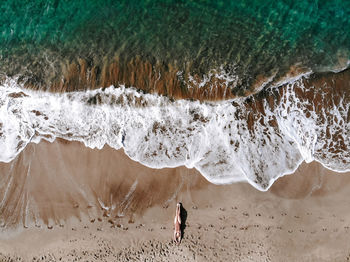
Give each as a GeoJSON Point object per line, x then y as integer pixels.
{"type": "Point", "coordinates": [178, 215]}
{"type": "Point", "coordinates": [179, 218]}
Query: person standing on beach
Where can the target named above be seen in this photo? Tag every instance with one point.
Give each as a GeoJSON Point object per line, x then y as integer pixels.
{"type": "Point", "coordinates": [177, 224]}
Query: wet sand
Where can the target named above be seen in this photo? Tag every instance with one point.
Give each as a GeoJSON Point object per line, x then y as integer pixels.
{"type": "Point", "coordinates": [63, 202]}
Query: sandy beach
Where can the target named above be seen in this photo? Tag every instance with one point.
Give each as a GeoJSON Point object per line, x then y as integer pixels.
{"type": "Point", "coordinates": [115, 115]}
{"type": "Point", "coordinates": [62, 201]}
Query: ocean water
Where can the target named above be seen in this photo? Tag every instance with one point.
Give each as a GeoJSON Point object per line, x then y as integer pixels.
{"type": "Point", "coordinates": [240, 90]}
{"type": "Point", "coordinates": [51, 41]}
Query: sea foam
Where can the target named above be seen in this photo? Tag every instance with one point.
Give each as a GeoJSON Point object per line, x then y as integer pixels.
{"type": "Point", "coordinates": [255, 139]}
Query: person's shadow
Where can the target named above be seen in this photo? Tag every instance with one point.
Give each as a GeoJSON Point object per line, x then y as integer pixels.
{"type": "Point", "coordinates": [183, 215]}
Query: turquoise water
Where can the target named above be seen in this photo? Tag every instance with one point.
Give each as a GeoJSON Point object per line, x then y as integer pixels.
{"type": "Point", "coordinates": [246, 38]}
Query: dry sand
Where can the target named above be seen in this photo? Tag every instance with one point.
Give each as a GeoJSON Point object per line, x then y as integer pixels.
{"type": "Point", "coordinates": [65, 202]}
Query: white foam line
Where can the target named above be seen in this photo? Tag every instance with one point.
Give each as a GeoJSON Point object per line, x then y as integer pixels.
{"type": "Point", "coordinates": [102, 204]}
{"type": "Point", "coordinates": [213, 137]}
{"type": "Point", "coordinates": [6, 192]}
{"type": "Point", "coordinates": [131, 191]}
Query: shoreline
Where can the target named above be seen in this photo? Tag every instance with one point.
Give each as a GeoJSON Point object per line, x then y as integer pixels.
{"type": "Point", "coordinates": [303, 217]}
{"type": "Point", "coordinates": [184, 133]}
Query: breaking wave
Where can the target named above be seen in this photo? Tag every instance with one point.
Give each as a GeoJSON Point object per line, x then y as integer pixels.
{"type": "Point", "coordinates": [257, 139]}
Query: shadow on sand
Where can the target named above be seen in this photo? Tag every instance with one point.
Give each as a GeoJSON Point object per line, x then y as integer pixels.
{"type": "Point", "coordinates": [183, 215]}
